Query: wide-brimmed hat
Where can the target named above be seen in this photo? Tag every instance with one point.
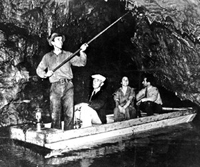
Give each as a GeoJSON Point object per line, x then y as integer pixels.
{"type": "Point", "coordinates": [99, 76]}
{"type": "Point", "coordinates": [52, 36]}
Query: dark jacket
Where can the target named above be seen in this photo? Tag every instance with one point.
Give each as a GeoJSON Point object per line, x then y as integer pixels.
{"type": "Point", "coordinates": [99, 103]}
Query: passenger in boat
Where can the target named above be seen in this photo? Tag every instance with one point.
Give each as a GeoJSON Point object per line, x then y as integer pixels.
{"type": "Point", "coordinates": [148, 99]}
{"type": "Point", "coordinates": [98, 97]}
{"type": "Point", "coordinates": [93, 112]}
{"type": "Point", "coordinates": [62, 89]}
{"type": "Point", "coordinates": [124, 102]}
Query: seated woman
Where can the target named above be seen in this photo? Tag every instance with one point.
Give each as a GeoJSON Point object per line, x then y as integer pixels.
{"type": "Point", "coordinates": [124, 100]}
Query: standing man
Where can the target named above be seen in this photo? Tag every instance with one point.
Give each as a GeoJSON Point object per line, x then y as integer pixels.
{"type": "Point", "coordinates": [124, 102]}
{"type": "Point", "coordinates": [62, 89]}
{"type": "Point", "coordinates": [148, 99]}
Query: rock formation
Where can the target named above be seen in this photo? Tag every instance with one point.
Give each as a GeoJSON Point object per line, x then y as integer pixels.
{"type": "Point", "coordinates": [167, 41]}
{"type": "Point", "coordinates": [161, 38]}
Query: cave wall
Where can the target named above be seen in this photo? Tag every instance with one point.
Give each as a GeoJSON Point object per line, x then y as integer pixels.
{"type": "Point", "coordinates": [161, 38]}
{"type": "Point", "coordinates": [167, 43]}
{"type": "Point", "coordinates": [24, 28]}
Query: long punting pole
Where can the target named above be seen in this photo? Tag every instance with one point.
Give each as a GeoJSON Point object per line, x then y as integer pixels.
{"type": "Point", "coordinates": [71, 56]}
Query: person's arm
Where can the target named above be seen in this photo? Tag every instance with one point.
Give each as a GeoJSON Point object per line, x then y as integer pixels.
{"type": "Point", "coordinates": [130, 98]}
{"type": "Point", "coordinates": [97, 104]}
{"type": "Point", "coordinates": [100, 101]}
{"type": "Point", "coordinates": [41, 69]}
{"type": "Point", "coordinates": [153, 94]}
{"type": "Point", "coordinates": [140, 95]}
{"type": "Point", "coordinates": [116, 98]}
{"type": "Point", "coordinates": [82, 50]}
{"type": "Point", "coordinates": [82, 59]}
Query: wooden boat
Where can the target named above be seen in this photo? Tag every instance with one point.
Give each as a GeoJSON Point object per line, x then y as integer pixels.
{"type": "Point", "coordinates": [60, 141]}
{"type": "Point", "coordinates": [36, 156]}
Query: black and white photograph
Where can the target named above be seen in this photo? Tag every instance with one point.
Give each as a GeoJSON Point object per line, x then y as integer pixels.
{"type": "Point", "coordinates": [99, 83]}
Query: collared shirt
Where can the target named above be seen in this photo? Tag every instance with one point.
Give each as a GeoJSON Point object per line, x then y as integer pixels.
{"type": "Point", "coordinates": [152, 93]}
{"type": "Point", "coordinates": [50, 61]}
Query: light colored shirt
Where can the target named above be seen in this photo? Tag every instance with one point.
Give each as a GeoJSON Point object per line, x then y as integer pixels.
{"type": "Point", "coordinates": [50, 61]}
{"type": "Point", "coordinates": [152, 94]}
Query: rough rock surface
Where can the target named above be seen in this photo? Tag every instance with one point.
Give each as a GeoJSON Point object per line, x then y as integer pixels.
{"type": "Point", "coordinates": [167, 43]}
{"type": "Point", "coordinates": [24, 28]}
{"type": "Point", "coordinates": [159, 37]}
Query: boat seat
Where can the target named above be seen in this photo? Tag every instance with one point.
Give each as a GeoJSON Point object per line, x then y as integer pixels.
{"type": "Point", "coordinates": [110, 117]}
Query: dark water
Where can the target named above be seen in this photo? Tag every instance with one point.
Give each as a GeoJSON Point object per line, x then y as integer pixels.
{"type": "Point", "coordinates": [177, 146]}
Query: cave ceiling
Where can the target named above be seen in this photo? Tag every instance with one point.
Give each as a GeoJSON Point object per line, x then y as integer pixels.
{"type": "Point", "coordinates": [167, 41]}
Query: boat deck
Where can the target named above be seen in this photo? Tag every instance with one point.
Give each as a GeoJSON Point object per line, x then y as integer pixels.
{"type": "Point", "coordinates": [86, 137]}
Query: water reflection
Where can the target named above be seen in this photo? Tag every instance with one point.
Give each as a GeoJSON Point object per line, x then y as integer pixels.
{"type": "Point", "coordinates": [163, 147]}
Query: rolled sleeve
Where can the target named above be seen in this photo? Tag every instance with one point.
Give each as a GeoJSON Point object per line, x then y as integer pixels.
{"type": "Point", "coordinates": [79, 60]}
{"type": "Point", "coordinates": [140, 94]}
{"type": "Point", "coordinates": [41, 68]}
{"type": "Point", "coordinates": [153, 94]}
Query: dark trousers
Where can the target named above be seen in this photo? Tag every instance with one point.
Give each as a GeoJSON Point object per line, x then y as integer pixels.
{"type": "Point", "coordinates": [130, 113]}
{"type": "Point", "coordinates": [102, 115]}
{"type": "Point", "coordinates": [62, 103]}
{"type": "Point", "coordinates": [149, 107]}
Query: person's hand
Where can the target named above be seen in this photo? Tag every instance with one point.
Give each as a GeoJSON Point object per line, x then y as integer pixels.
{"type": "Point", "coordinates": [49, 73]}
{"type": "Point", "coordinates": [121, 109]}
{"type": "Point", "coordinates": [77, 107]}
{"type": "Point", "coordinates": [143, 100]}
{"type": "Point", "coordinates": [138, 103]}
{"type": "Point", "coordinates": [84, 47]}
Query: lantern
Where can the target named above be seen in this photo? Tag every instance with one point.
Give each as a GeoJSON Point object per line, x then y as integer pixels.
{"type": "Point", "coordinates": [38, 116]}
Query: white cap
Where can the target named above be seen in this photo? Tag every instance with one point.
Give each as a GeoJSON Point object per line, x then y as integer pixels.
{"type": "Point", "coordinates": [100, 77]}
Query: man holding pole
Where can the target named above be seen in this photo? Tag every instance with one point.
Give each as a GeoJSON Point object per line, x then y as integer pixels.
{"type": "Point", "coordinates": [62, 91]}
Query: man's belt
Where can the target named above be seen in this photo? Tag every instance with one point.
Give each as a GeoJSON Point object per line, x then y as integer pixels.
{"type": "Point", "coordinates": [63, 81]}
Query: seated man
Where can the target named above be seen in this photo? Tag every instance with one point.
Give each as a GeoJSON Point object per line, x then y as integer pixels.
{"type": "Point", "coordinates": [96, 106]}
{"type": "Point", "coordinates": [148, 99]}
{"type": "Point", "coordinates": [98, 98]}
{"type": "Point", "coordinates": [124, 100]}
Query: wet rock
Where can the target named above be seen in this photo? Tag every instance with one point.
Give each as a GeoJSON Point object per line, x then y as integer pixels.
{"type": "Point", "coordinates": [167, 40]}
{"type": "Point", "coordinates": [164, 41]}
